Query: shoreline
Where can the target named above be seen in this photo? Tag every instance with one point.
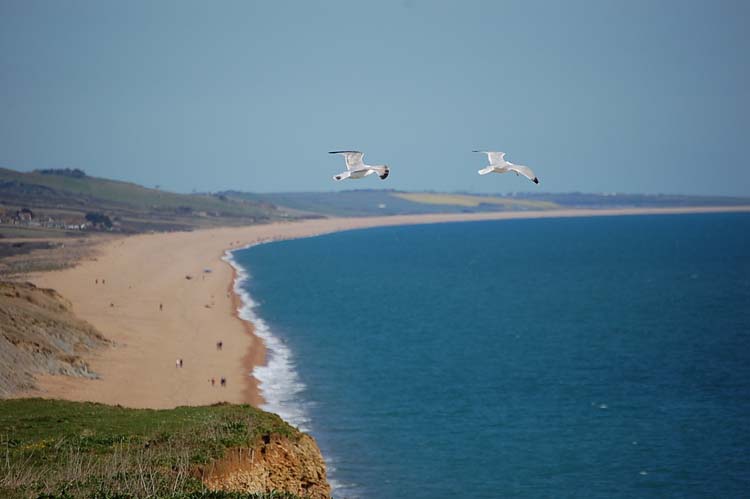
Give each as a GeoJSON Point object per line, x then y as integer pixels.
{"type": "Point", "coordinates": [254, 356]}
{"type": "Point", "coordinates": [140, 370]}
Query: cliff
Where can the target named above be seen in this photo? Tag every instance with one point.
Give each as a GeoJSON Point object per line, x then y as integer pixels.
{"type": "Point", "coordinates": [80, 449]}
{"type": "Point", "coordinates": [40, 335]}
{"type": "Point", "coordinates": [274, 463]}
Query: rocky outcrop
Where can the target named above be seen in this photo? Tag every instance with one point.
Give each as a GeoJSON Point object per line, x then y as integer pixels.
{"type": "Point", "coordinates": [40, 335]}
{"type": "Point", "coordinates": [276, 463]}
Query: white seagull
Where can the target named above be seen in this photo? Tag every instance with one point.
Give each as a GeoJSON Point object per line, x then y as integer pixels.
{"type": "Point", "coordinates": [498, 164]}
{"type": "Point", "coordinates": [355, 167]}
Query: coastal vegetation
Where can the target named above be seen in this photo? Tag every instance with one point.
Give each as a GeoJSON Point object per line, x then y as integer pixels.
{"type": "Point", "coordinates": [65, 172]}
{"type": "Point", "coordinates": [54, 448]}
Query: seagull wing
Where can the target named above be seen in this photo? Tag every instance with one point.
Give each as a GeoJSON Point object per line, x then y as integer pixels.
{"type": "Point", "coordinates": [353, 159]}
{"type": "Point", "coordinates": [525, 171]}
{"type": "Point", "coordinates": [495, 158]}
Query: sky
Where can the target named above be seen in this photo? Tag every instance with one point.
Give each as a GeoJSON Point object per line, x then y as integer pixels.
{"type": "Point", "coordinates": [635, 96]}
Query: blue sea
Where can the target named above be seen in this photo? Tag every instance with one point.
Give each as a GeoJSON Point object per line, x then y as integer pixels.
{"type": "Point", "coordinates": [579, 357]}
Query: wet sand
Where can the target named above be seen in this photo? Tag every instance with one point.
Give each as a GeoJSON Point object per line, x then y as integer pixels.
{"type": "Point", "coordinates": [186, 274]}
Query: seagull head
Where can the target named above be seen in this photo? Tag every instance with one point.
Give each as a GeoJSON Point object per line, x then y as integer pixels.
{"type": "Point", "coordinates": [386, 171]}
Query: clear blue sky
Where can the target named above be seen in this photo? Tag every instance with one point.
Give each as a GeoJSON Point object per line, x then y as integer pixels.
{"type": "Point", "coordinates": [596, 96]}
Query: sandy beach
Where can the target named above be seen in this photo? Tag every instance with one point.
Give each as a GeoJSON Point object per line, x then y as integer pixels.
{"type": "Point", "coordinates": [121, 289]}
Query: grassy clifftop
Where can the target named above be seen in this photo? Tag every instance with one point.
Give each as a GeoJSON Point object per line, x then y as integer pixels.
{"type": "Point", "coordinates": [72, 449]}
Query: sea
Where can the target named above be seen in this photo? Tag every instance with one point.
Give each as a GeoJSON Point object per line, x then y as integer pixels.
{"type": "Point", "coordinates": [571, 357]}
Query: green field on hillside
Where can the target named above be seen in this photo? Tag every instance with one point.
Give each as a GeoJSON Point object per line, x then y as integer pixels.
{"type": "Point", "coordinates": [474, 201]}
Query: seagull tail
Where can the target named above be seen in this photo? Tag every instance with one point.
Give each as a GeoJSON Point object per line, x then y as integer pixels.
{"type": "Point", "coordinates": [341, 176]}
{"type": "Point", "coordinates": [485, 171]}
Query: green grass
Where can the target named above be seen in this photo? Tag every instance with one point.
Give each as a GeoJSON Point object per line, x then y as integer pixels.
{"type": "Point", "coordinates": [72, 449]}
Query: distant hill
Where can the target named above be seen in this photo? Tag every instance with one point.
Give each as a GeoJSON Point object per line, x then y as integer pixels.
{"type": "Point", "coordinates": [70, 194]}
{"type": "Point", "coordinates": [68, 199]}
{"type": "Point", "coordinates": [390, 202]}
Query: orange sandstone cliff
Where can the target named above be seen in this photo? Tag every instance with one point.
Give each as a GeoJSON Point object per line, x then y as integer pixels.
{"type": "Point", "coordinates": [276, 463]}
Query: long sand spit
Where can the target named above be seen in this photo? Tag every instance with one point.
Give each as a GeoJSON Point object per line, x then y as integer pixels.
{"type": "Point", "coordinates": [120, 292]}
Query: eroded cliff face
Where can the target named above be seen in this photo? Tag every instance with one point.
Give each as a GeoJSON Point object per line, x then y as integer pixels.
{"type": "Point", "coordinates": [276, 463]}
{"type": "Point", "coordinates": [40, 335]}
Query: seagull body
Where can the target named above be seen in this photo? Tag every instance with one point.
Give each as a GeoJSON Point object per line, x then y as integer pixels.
{"type": "Point", "coordinates": [356, 168]}
{"type": "Point", "coordinates": [498, 164]}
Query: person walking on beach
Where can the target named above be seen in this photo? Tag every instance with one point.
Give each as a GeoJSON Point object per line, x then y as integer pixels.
{"type": "Point", "coordinates": [180, 362]}
{"type": "Point", "coordinates": [213, 381]}
{"type": "Point", "coordinates": [223, 381]}
{"type": "Point", "coordinates": [219, 345]}
{"type": "Point", "coordinates": [177, 363]}
{"type": "Point", "coordinates": [161, 306]}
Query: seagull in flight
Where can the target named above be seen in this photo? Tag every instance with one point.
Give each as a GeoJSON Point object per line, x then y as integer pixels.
{"type": "Point", "coordinates": [355, 167]}
{"type": "Point", "coordinates": [498, 164]}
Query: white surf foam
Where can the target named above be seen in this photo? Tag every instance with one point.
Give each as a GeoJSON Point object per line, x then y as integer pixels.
{"type": "Point", "coordinates": [278, 380]}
